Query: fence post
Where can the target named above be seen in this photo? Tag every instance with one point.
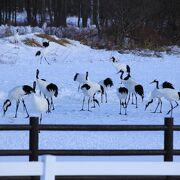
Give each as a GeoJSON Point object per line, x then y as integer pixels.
{"type": "Point", "coordinates": [33, 138]}
{"type": "Point", "coordinates": [168, 139]}
{"type": "Point", "coordinates": [49, 168]}
{"type": "Point", "coordinates": [34, 141]}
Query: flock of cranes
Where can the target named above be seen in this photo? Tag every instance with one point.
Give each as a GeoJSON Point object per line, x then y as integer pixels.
{"type": "Point", "coordinates": [129, 90]}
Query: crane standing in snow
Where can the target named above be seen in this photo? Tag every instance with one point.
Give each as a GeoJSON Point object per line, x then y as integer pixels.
{"type": "Point", "coordinates": [43, 52]}
{"type": "Point", "coordinates": [42, 55]}
{"type": "Point", "coordinates": [39, 103]}
{"type": "Point", "coordinates": [133, 87]}
{"type": "Point", "coordinates": [49, 90]}
{"type": "Point", "coordinates": [16, 38]}
{"type": "Point", "coordinates": [89, 90]}
{"type": "Point", "coordinates": [155, 94]}
{"type": "Point", "coordinates": [17, 94]}
{"type": "Point", "coordinates": [122, 94]}
{"type": "Point", "coordinates": [105, 84]}
{"type": "Point", "coordinates": [171, 95]}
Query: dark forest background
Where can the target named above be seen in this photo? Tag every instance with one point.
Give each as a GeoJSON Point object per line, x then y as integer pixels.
{"type": "Point", "coordinates": [118, 23]}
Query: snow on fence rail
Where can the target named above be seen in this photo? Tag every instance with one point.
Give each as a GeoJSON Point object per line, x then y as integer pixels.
{"type": "Point", "coordinates": [49, 168]}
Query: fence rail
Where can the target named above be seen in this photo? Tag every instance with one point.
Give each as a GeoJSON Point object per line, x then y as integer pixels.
{"type": "Point", "coordinates": [49, 168]}
{"type": "Point", "coordinates": [34, 127]}
{"type": "Point", "coordinates": [49, 127]}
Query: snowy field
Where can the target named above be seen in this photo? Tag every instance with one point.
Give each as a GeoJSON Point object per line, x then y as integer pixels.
{"type": "Point", "coordinates": [18, 67]}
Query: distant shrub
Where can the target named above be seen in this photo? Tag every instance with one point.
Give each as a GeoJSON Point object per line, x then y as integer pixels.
{"type": "Point", "coordinates": [61, 41]}
{"type": "Point", "coordinates": [31, 42]}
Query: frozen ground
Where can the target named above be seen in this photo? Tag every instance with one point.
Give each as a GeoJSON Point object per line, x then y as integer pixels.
{"type": "Point", "coordinates": [18, 67]}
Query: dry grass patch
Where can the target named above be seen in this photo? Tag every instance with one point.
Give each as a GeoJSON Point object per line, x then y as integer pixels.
{"type": "Point", "coordinates": [62, 41]}
{"type": "Point", "coordinates": [31, 42]}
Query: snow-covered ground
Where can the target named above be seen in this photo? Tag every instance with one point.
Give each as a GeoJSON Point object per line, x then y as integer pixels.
{"type": "Point", "coordinates": [18, 67]}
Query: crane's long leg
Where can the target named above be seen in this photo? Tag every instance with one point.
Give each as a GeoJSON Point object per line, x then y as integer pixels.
{"type": "Point", "coordinates": [101, 98]}
{"type": "Point", "coordinates": [132, 98]}
{"type": "Point", "coordinates": [41, 60]}
{"type": "Point", "coordinates": [125, 110]}
{"type": "Point", "coordinates": [128, 98]}
{"type": "Point", "coordinates": [120, 106]}
{"type": "Point", "coordinates": [125, 107]}
{"type": "Point", "coordinates": [94, 102]}
{"type": "Point", "coordinates": [159, 101]}
{"type": "Point", "coordinates": [136, 100]}
{"type": "Point", "coordinates": [106, 96]}
{"type": "Point", "coordinates": [46, 60]}
{"type": "Point", "coordinates": [88, 103]}
{"type": "Point", "coordinates": [17, 106]}
{"type": "Point", "coordinates": [160, 106]}
{"type": "Point", "coordinates": [79, 87]}
{"type": "Point", "coordinates": [25, 108]}
{"type": "Point", "coordinates": [82, 109]}
{"type": "Point", "coordinates": [49, 105]}
{"type": "Point", "coordinates": [52, 104]}
{"type": "Point", "coordinates": [172, 108]}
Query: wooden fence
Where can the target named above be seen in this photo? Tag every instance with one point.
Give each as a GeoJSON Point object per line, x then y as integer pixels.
{"type": "Point", "coordinates": [34, 127]}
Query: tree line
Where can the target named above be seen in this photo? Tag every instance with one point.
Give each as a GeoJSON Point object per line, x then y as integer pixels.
{"type": "Point", "coordinates": [121, 22]}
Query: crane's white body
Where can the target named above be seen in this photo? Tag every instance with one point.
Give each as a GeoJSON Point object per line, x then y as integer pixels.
{"type": "Point", "coordinates": [39, 103]}
{"type": "Point", "coordinates": [169, 94]}
{"type": "Point", "coordinates": [16, 93]}
{"type": "Point", "coordinates": [81, 78]}
{"type": "Point", "coordinates": [94, 88]}
{"type": "Point", "coordinates": [42, 84]}
{"type": "Point", "coordinates": [130, 84]}
{"type": "Point", "coordinates": [156, 94]}
{"type": "Point", "coordinates": [121, 96]}
{"type": "Point", "coordinates": [102, 84]}
{"type": "Point", "coordinates": [119, 66]}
